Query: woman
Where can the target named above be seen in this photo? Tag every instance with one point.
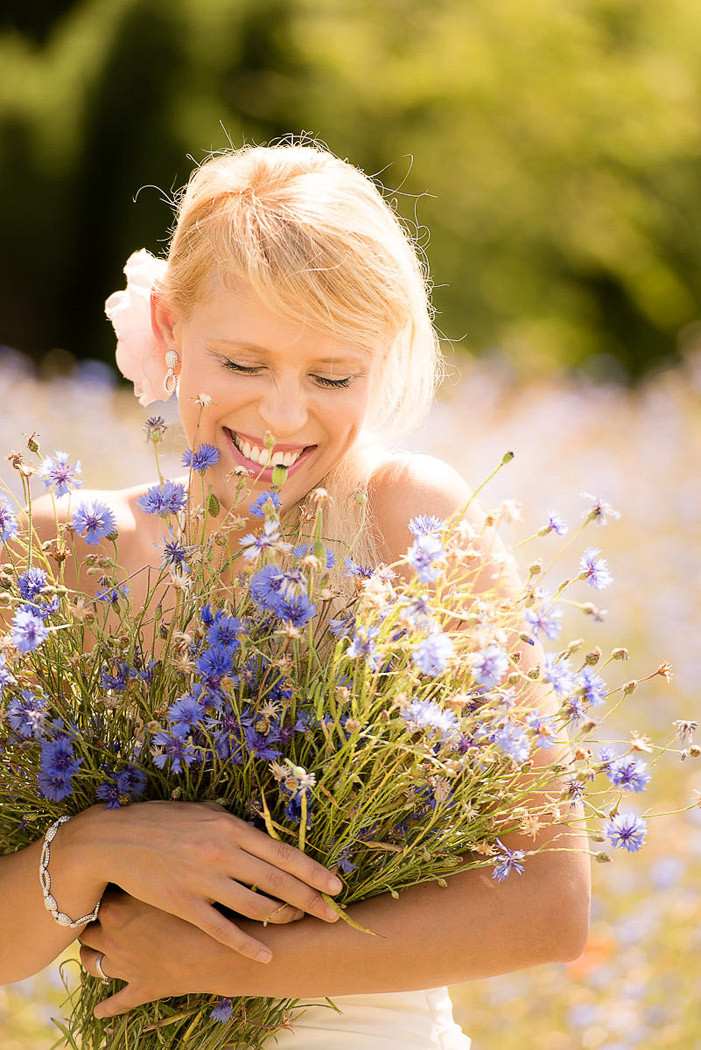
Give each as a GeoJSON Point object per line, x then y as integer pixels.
{"type": "Point", "coordinates": [293, 298]}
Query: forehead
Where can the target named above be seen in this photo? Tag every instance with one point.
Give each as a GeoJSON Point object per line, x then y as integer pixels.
{"type": "Point", "coordinates": [236, 317]}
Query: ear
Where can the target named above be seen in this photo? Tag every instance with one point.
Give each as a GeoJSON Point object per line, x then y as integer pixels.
{"type": "Point", "coordinates": [163, 323]}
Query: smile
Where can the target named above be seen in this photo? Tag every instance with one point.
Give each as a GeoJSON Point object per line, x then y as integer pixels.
{"type": "Point", "coordinates": [255, 456]}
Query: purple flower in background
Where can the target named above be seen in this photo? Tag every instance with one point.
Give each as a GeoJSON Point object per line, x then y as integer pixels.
{"type": "Point", "coordinates": [164, 501]}
{"type": "Point", "coordinates": [94, 521]}
{"type": "Point", "coordinates": [254, 544]}
{"type": "Point", "coordinates": [433, 654]}
{"type": "Point", "coordinates": [594, 569]}
{"type": "Point", "coordinates": [6, 677]}
{"type": "Point", "coordinates": [424, 556]}
{"type": "Point", "coordinates": [225, 631]}
{"type": "Point", "coordinates": [124, 786]}
{"type": "Point", "coordinates": [423, 524]}
{"type": "Point", "coordinates": [202, 458]}
{"type": "Point", "coordinates": [113, 594]}
{"type": "Point", "coordinates": [353, 569]}
{"type": "Point", "coordinates": [215, 664]}
{"type": "Point", "coordinates": [57, 472]}
{"type": "Point", "coordinates": [57, 767]}
{"type": "Point", "coordinates": [543, 727]}
{"type": "Point", "coordinates": [26, 714]}
{"type": "Point", "coordinates": [8, 521]}
{"type": "Point", "coordinates": [489, 666]}
{"type": "Point", "coordinates": [28, 631]}
{"type": "Point", "coordinates": [594, 688]}
{"type": "Point", "coordinates": [362, 644]}
{"type": "Point", "coordinates": [559, 674]}
{"type": "Point", "coordinates": [306, 548]}
{"type": "Point", "coordinates": [31, 583]}
{"type": "Point", "coordinates": [626, 831]}
{"type": "Point", "coordinates": [509, 860]}
{"type": "Point", "coordinates": [188, 710]}
{"type": "Point", "coordinates": [543, 621]}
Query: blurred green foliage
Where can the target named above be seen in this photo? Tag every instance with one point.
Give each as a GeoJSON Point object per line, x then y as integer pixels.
{"type": "Point", "coordinates": [552, 150]}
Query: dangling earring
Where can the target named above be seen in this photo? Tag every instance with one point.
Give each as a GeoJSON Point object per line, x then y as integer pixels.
{"type": "Point", "coordinates": [170, 383]}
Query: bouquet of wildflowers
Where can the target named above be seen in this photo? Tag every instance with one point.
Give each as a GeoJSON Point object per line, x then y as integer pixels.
{"type": "Point", "coordinates": [384, 723]}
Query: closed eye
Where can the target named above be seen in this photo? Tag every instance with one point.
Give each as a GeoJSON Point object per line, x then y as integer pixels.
{"type": "Point", "coordinates": [322, 380]}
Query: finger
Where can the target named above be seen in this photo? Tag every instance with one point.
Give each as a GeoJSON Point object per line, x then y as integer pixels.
{"type": "Point", "coordinates": [213, 923]}
{"type": "Point", "coordinates": [288, 858]}
{"type": "Point", "coordinates": [277, 884]}
{"type": "Point", "coordinates": [245, 901]}
{"type": "Point", "coordinates": [88, 960]}
{"type": "Point", "coordinates": [92, 936]}
{"type": "Point", "coordinates": [119, 1003]}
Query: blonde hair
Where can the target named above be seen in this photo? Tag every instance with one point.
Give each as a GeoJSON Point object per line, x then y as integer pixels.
{"type": "Point", "coordinates": [318, 243]}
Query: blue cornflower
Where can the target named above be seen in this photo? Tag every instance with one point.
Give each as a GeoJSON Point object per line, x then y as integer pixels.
{"type": "Point", "coordinates": [353, 569]}
{"type": "Point", "coordinates": [544, 621]}
{"type": "Point", "coordinates": [225, 631]}
{"type": "Point", "coordinates": [306, 548]}
{"type": "Point", "coordinates": [556, 524]}
{"type": "Point", "coordinates": [266, 590]}
{"type": "Point", "coordinates": [254, 545]}
{"type": "Point", "coordinates": [8, 521]}
{"type": "Point", "coordinates": [626, 830]}
{"type": "Point", "coordinates": [94, 521]}
{"type": "Point", "coordinates": [543, 728]}
{"type": "Point", "coordinates": [299, 612]}
{"type": "Point", "coordinates": [606, 756]}
{"type": "Point", "coordinates": [267, 502]}
{"type": "Point", "coordinates": [176, 554]}
{"type": "Point", "coordinates": [164, 501]}
{"type": "Point", "coordinates": [215, 664]}
{"type": "Point", "coordinates": [176, 748]}
{"type": "Point", "coordinates": [433, 654]}
{"type": "Point", "coordinates": [57, 767]}
{"type": "Point", "coordinates": [155, 427]}
{"type": "Point", "coordinates": [509, 860]}
{"type": "Point", "coordinates": [424, 556]}
{"type": "Point", "coordinates": [223, 1011]}
{"type": "Point", "coordinates": [57, 472]}
{"type": "Point", "coordinates": [187, 711]}
{"type": "Point", "coordinates": [28, 631]}
{"type": "Point", "coordinates": [119, 680]}
{"type": "Point", "coordinates": [513, 741]}
{"type": "Point", "coordinates": [31, 583]}
{"type": "Point", "coordinates": [260, 744]}
{"type": "Point", "coordinates": [559, 675]}
{"type": "Point", "coordinates": [594, 569]}
{"type": "Point", "coordinates": [123, 787]}
{"type": "Point", "coordinates": [423, 524]}
{"type": "Point", "coordinates": [489, 666]}
{"type": "Point", "coordinates": [113, 594]}
{"type": "Point", "coordinates": [594, 688]}
{"type": "Point", "coordinates": [362, 644]}
{"type": "Point", "coordinates": [344, 863]}
{"type": "Point", "coordinates": [426, 714]}
{"type": "Point", "coordinates": [202, 458]}
{"type": "Point", "coordinates": [342, 626]}
{"type": "Point", "coordinates": [599, 511]}
{"type": "Point", "coordinates": [26, 714]}
{"type": "Point", "coordinates": [629, 773]}
{"type": "Point", "coordinates": [6, 678]}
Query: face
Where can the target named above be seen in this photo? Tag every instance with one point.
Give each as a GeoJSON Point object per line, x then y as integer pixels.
{"type": "Point", "coordinates": [267, 373]}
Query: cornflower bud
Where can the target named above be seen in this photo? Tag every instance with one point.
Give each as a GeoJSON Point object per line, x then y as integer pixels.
{"type": "Point", "coordinates": [269, 440]}
{"type": "Point", "coordinates": [572, 647]}
{"type": "Point", "coordinates": [279, 475]}
{"type": "Point", "coordinates": [593, 656]}
{"type": "Point", "coordinates": [619, 654]}
{"type": "Point", "coordinates": [32, 443]}
{"type": "Point", "coordinates": [535, 567]}
{"type": "Point", "coordinates": [506, 458]}
{"type": "Point", "coordinates": [630, 687]}
{"type": "Point", "coordinates": [602, 857]}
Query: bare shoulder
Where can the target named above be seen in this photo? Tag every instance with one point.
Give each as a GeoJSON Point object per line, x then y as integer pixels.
{"type": "Point", "coordinates": [411, 484]}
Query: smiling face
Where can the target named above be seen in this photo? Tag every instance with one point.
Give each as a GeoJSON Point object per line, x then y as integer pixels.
{"type": "Point", "coordinates": [266, 373]}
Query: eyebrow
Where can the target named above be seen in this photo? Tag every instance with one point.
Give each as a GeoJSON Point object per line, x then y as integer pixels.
{"type": "Point", "coordinates": [349, 355]}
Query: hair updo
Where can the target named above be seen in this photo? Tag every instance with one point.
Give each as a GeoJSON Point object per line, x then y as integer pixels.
{"type": "Point", "coordinates": [320, 245]}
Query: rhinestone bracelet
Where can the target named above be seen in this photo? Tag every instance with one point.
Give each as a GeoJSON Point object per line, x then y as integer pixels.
{"type": "Point", "coordinates": [45, 879]}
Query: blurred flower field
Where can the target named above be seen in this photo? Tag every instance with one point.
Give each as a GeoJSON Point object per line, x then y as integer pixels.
{"type": "Point", "coordinates": [637, 984]}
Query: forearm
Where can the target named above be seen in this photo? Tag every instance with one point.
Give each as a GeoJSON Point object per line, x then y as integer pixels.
{"type": "Point", "coordinates": [29, 936]}
{"type": "Point", "coordinates": [473, 928]}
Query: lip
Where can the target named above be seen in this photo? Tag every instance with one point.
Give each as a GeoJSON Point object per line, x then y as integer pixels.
{"type": "Point", "coordinates": [265, 473]}
{"type": "Point", "coordinates": [277, 448]}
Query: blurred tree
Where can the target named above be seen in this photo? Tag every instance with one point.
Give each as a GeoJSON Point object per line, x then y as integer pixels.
{"type": "Point", "coordinates": [552, 151]}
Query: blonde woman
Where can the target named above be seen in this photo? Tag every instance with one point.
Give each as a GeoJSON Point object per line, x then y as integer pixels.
{"type": "Point", "coordinates": [294, 298]}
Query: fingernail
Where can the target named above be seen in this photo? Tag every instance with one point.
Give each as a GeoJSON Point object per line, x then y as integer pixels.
{"type": "Point", "coordinates": [331, 914]}
{"type": "Point", "coordinates": [265, 956]}
{"type": "Point", "coordinates": [335, 885]}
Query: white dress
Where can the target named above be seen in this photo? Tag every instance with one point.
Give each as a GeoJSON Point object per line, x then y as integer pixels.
{"type": "Point", "coordinates": [378, 1021]}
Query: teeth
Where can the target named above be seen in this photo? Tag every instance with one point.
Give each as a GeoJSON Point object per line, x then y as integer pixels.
{"type": "Point", "coordinates": [262, 457]}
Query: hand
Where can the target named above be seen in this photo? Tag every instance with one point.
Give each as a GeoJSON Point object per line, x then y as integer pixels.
{"type": "Point", "coordinates": [143, 946]}
{"type": "Point", "coordinates": [181, 857]}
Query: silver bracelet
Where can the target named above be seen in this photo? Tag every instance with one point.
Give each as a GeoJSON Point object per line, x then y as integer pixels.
{"type": "Point", "coordinates": [45, 879]}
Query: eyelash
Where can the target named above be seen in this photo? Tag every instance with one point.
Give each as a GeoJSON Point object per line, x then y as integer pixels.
{"type": "Point", "coordinates": [332, 383]}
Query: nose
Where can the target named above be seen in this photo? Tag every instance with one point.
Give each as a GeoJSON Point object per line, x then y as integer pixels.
{"type": "Point", "coordinates": [283, 409]}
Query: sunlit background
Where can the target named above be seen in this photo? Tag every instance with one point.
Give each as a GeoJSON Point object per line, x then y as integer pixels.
{"type": "Point", "coordinates": [548, 157]}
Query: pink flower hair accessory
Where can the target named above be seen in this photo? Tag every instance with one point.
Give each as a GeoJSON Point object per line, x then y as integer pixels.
{"type": "Point", "coordinates": [139, 355]}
